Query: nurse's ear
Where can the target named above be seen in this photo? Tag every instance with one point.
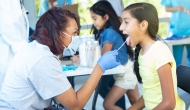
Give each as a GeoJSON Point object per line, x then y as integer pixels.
{"type": "Point", "coordinates": [106, 17]}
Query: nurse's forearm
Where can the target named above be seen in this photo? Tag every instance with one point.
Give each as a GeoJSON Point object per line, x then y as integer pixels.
{"type": "Point", "coordinates": [85, 92]}
{"type": "Point", "coordinates": [174, 9]}
{"type": "Point", "coordinates": [77, 100]}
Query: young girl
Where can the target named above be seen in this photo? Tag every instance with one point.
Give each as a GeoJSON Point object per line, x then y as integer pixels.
{"type": "Point", "coordinates": [106, 29]}
{"type": "Point", "coordinates": [154, 61]}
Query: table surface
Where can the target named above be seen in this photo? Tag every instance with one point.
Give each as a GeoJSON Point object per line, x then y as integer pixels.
{"type": "Point", "coordinates": [179, 42]}
{"type": "Point", "coordinates": [86, 71]}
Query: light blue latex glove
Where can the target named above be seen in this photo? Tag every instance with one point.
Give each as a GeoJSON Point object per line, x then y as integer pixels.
{"type": "Point", "coordinates": [66, 68]}
{"type": "Point", "coordinates": [108, 60]}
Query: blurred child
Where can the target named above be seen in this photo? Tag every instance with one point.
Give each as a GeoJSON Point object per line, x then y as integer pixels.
{"type": "Point", "coordinates": [106, 29]}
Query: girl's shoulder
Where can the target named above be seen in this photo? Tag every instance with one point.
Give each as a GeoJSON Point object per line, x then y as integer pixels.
{"type": "Point", "coordinates": [110, 31]}
{"type": "Point", "coordinates": [161, 47]}
{"type": "Point", "coordinates": [158, 48]}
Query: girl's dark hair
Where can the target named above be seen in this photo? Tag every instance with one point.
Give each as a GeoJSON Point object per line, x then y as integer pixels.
{"type": "Point", "coordinates": [144, 11]}
{"type": "Point", "coordinates": [102, 8]}
{"type": "Point", "coordinates": [48, 28]}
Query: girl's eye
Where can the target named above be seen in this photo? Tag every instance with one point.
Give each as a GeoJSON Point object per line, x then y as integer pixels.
{"type": "Point", "coordinates": [75, 33]}
{"type": "Point", "coordinates": [126, 22]}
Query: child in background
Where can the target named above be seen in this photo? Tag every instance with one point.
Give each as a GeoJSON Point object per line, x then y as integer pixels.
{"type": "Point", "coordinates": [154, 62]}
{"type": "Point", "coordinates": [106, 30]}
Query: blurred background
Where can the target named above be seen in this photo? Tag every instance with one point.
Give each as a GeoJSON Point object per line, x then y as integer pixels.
{"type": "Point", "coordinates": [83, 9]}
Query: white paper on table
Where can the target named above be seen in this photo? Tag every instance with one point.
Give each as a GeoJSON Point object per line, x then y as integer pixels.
{"type": "Point", "coordinates": [85, 71]}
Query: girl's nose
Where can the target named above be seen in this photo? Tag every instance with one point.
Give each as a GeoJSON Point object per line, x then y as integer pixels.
{"type": "Point", "coordinates": [121, 27]}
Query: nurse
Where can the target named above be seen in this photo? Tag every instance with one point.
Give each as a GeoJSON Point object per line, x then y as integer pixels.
{"type": "Point", "coordinates": [179, 26]}
{"type": "Point", "coordinates": [13, 32]}
{"type": "Point", "coordinates": [35, 75]}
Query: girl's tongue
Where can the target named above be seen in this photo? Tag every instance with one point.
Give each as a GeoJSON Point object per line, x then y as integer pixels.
{"type": "Point", "coordinates": [128, 40]}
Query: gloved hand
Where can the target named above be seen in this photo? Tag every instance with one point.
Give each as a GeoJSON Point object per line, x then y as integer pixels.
{"type": "Point", "coordinates": [108, 60]}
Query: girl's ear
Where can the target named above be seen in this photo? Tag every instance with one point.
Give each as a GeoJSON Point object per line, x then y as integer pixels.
{"type": "Point", "coordinates": [106, 17]}
{"type": "Point", "coordinates": [144, 25]}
